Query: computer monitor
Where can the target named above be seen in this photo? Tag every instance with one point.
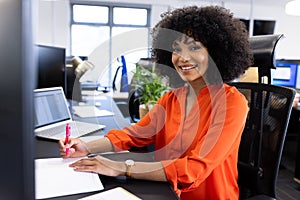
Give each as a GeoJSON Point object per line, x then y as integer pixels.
{"type": "Point", "coordinates": [263, 27]}
{"type": "Point", "coordinates": [246, 22]}
{"type": "Point", "coordinates": [297, 62]}
{"type": "Point", "coordinates": [286, 73]}
{"type": "Point", "coordinates": [51, 67]}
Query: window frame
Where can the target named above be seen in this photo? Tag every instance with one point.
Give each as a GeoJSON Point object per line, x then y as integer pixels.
{"type": "Point", "coordinates": [110, 23]}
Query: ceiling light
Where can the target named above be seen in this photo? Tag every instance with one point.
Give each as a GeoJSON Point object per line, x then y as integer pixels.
{"type": "Point", "coordinates": [293, 8]}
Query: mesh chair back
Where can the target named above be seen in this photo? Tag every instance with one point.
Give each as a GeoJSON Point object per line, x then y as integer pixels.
{"type": "Point", "coordinates": [263, 137]}
{"type": "Point", "coordinates": [263, 47]}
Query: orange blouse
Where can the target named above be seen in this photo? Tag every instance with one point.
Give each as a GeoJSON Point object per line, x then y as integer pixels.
{"type": "Point", "coordinates": [199, 152]}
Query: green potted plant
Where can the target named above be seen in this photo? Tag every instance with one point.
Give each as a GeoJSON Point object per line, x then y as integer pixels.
{"type": "Point", "coordinates": [150, 86]}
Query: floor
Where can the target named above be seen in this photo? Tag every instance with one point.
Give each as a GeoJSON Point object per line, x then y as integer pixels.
{"type": "Point", "coordinates": [287, 188]}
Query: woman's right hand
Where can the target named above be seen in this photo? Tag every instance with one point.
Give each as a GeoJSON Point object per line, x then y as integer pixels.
{"type": "Point", "coordinates": [77, 148]}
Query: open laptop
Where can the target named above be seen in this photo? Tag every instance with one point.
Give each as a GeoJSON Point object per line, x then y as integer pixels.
{"type": "Point", "coordinates": [51, 114]}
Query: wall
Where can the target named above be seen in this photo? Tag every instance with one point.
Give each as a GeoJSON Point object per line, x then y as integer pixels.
{"type": "Point", "coordinates": [54, 21]}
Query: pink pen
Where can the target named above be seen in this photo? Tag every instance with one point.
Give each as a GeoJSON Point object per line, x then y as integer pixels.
{"type": "Point", "coordinates": [68, 134]}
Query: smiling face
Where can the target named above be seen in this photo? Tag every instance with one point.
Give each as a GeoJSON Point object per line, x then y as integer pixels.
{"type": "Point", "coordinates": [190, 59]}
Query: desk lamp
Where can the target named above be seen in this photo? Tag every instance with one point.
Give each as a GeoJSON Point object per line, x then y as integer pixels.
{"type": "Point", "coordinates": [81, 67]}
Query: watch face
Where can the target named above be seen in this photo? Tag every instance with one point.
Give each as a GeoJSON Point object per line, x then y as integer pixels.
{"type": "Point", "coordinates": [129, 162]}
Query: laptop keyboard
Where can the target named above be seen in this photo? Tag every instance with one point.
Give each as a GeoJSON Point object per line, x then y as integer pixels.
{"type": "Point", "coordinates": [54, 131]}
{"type": "Point", "coordinates": [77, 129]}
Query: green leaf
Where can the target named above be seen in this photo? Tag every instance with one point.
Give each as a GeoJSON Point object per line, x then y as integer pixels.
{"type": "Point", "coordinates": [148, 84]}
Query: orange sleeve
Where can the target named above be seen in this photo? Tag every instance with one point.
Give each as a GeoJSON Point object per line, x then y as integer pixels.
{"type": "Point", "coordinates": [141, 134]}
{"type": "Point", "coordinates": [124, 139]}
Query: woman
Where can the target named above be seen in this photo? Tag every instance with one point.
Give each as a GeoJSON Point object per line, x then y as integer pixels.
{"type": "Point", "coordinates": [196, 129]}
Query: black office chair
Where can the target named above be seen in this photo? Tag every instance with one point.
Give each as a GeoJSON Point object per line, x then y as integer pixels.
{"type": "Point", "coordinates": [266, 125]}
{"type": "Point", "coordinates": [133, 105]}
{"type": "Point", "coordinates": [263, 138]}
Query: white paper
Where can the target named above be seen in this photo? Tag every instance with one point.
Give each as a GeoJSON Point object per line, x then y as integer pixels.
{"type": "Point", "coordinates": [112, 194]}
{"type": "Point", "coordinates": [89, 97]}
{"type": "Point", "coordinates": [54, 177]}
{"type": "Point", "coordinates": [90, 111]}
{"type": "Point", "coordinates": [91, 93]}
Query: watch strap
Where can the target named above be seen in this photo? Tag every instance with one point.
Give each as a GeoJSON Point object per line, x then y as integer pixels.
{"type": "Point", "coordinates": [129, 164]}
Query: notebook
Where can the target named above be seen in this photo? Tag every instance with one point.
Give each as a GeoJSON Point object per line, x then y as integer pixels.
{"type": "Point", "coordinates": [51, 114]}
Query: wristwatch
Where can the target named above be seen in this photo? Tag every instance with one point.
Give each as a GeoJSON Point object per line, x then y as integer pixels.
{"type": "Point", "coordinates": [129, 164]}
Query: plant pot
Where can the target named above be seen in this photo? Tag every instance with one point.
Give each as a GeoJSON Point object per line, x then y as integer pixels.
{"type": "Point", "coordinates": [143, 110]}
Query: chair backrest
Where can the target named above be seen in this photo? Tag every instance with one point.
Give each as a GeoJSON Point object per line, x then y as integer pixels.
{"type": "Point", "coordinates": [133, 105]}
{"type": "Point", "coordinates": [263, 48]}
{"type": "Point", "coordinates": [263, 137]}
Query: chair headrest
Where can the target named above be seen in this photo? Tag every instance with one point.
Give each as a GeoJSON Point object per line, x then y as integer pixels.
{"type": "Point", "coordinates": [263, 47]}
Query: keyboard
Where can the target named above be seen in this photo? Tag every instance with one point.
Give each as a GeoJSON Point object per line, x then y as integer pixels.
{"type": "Point", "coordinates": [77, 129]}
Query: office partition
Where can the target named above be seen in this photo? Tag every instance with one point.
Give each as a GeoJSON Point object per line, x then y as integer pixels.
{"type": "Point", "coordinates": [16, 103]}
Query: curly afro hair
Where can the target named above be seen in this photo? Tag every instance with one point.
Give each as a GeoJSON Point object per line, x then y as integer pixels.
{"type": "Point", "coordinates": [225, 37]}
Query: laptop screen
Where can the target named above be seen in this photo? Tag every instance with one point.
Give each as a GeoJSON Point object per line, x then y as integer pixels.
{"type": "Point", "coordinates": [50, 106]}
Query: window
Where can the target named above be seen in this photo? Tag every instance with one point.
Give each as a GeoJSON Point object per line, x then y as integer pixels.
{"type": "Point", "coordinates": [130, 16]}
{"type": "Point", "coordinates": [86, 38]}
{"type": "Point", "coordinates": [90, 14]}
{"type": "Point", "coordinates": [105, 31]}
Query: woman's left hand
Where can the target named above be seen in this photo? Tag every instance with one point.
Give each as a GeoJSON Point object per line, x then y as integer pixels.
{"type": "Point", "coordinates": [100, 165]}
